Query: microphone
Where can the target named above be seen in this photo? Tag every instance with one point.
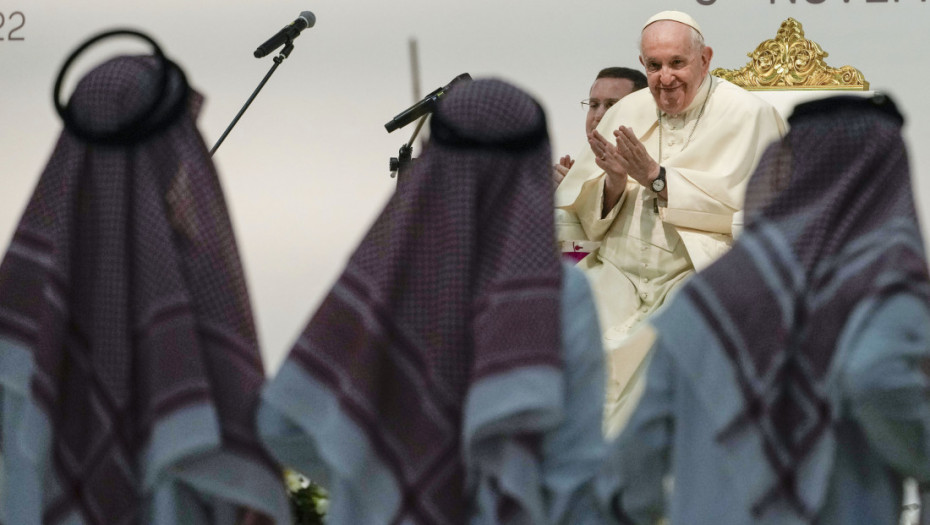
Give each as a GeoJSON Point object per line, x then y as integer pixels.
{"type": "Point", "coordinates": [289, 32]}
{"type": "Point", "coordinates": [427, 105]}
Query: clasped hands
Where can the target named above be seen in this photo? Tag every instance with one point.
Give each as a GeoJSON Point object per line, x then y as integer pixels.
{"type": "Point", "coordinates": [623, 156]}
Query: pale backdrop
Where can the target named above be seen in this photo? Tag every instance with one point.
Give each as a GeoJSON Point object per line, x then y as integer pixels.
{"type": "Point", "coordinates": [305, 171]}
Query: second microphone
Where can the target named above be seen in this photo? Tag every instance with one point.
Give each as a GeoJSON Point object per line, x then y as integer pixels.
{"type": "Point", "coordinates": [288, 32]}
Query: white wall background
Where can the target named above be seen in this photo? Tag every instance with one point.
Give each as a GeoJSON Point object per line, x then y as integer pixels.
{"type": "Point", "coordinates": [305, 170]}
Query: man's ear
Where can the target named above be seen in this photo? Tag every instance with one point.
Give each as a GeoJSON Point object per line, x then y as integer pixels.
{"type": "Point", "coordinates": [706, 55]}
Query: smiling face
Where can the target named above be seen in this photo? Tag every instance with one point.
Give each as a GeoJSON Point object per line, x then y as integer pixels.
{"type": "Point", "coordinates": [676, 64]}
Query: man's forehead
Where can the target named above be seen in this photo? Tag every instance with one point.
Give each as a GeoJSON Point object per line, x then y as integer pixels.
{"type": "Point", "coordinates": [685, 54]}
{"type": "Point", "coordinates": [607, 87]}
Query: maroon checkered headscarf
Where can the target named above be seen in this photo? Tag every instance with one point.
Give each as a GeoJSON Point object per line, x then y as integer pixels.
{"type": "Point", "coordinates": [124, 280]}
{"type": "Point", "coordinates": [457, 280]}
{"type": "Point", "coordinates": [831, 224]}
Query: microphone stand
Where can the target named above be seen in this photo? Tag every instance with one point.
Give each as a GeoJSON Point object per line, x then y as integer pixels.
{"type": "Point", "coordinates": [402, 161]}
{"type": "Point", "coordinates": [286, 52]}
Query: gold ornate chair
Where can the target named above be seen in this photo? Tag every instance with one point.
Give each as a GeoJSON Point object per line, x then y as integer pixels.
{"type": "Point", "coordinates": [790, 69]}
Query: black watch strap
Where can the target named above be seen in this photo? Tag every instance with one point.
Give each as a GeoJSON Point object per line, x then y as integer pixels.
{"type": "Point", "coordinates": [658, 184]}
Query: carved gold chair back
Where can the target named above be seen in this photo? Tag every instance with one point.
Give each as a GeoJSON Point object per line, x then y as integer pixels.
{"type": "Point", "coordinates": [790, 69]}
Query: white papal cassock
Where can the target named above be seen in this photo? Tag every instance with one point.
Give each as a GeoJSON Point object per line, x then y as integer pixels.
{"type": "Point", "coordinates": [649, 246]}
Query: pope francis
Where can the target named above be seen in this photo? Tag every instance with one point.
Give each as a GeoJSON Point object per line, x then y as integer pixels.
{"type": "Point", "coordinates": [660, 185]}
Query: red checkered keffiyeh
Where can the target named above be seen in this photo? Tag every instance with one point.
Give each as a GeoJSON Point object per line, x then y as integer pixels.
{"type": "Point", "coordinates": [831, 224]}
{"type": "Point", "coordinates": [454, 291]}
{"type": "Point", "coordinates": [123, 300]}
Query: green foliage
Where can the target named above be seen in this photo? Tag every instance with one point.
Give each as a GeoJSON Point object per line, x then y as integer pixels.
{"type": "Point", "coordinates": [309, 501]}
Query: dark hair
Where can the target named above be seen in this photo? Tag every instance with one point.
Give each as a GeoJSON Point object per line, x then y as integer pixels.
{"type": "Point", "coordinates": [636, 77]}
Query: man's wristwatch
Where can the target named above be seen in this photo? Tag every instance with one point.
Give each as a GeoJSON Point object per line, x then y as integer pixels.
{"type": "Point", "coordinates": [658, 184]}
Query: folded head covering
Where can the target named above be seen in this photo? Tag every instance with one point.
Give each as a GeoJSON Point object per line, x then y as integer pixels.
{"type": "Point", "coordinates": [124, 305]}
{"type": "Point", "coordinates": [830, 225]}
{"type": "Point", "coordinates": [451, 299]}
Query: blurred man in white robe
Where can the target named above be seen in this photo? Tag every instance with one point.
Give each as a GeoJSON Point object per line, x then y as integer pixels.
{"type": "Point", "coordinates": [610, 85]}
